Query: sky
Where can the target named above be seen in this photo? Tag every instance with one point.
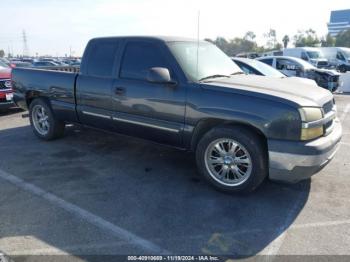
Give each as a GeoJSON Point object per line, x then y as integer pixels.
{"type": "Point", "coordinates": [60, 27]}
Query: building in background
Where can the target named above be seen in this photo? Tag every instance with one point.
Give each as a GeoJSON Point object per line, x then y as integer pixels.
{"type": "Point", "coordinates": [339, 21]}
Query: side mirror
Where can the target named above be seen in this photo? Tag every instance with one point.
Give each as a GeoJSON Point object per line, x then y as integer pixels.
{"type": "Point", "coordinates": [159, 75]}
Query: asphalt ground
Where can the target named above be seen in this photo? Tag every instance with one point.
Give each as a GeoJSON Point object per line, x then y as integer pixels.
{"type": "Point", "coordinates": [92, 193]}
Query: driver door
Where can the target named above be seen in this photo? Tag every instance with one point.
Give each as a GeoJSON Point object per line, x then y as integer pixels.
{"type": "Point", "coordinates": [148, 110]}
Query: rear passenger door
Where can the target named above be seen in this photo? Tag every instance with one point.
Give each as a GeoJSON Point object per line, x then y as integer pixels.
{"type": "Point", "coordinates": [94, 84]}
{"type": "Point", "coordinates": [148, 110]}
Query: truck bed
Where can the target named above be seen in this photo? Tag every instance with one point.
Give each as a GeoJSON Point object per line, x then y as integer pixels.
{"type": "Point", "coordinates": [57, 86]}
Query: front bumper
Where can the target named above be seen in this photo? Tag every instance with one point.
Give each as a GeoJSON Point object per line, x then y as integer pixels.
{"type": "Point", "coordinates": [291, 161]}
{"type": "Point", "coordinates": [4, 102]}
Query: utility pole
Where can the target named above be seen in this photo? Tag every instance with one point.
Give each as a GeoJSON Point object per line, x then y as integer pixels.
{"type": "Point", "coordinates": [25, 44]}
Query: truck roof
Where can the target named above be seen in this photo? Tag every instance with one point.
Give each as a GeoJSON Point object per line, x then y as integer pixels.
{"type": "Point", "coordinates": [154, 38]}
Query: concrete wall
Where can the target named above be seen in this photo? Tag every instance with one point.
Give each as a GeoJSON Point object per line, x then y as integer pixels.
{"type": "Point", "coordinates": [346, 82]}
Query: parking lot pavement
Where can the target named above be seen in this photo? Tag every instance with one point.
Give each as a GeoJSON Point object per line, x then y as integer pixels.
{"type": "Point", "coordinates": [95, 193]}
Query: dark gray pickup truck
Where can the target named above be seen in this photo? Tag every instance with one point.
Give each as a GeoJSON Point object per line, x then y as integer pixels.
{"type": "Point", "coordinates": [189, 95]}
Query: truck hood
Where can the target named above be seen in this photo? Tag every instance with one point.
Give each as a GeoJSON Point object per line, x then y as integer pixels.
{"type": "Point", "coordinates": [5, 73]}
{"type": "Point", "coordinates": [285, 90]}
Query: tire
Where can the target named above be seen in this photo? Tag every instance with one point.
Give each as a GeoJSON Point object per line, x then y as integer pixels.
{"type": "Point", "coordinates": [342, 69]}
{"type": "Point", "coordinates": [243, 169]}
{"type": "Point", "coordinates": [47, 127]}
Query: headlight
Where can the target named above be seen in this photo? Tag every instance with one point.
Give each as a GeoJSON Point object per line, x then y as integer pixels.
{"type": "Point", "coordinates": [8, 84]}
{"type": "Point", "coordinates": [309, 115]}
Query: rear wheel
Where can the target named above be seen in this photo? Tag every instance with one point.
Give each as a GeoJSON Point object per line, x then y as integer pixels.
{"type": "Point", "coordinates": [232, 159]}
{"type": "Point", "coordinates": [44, 124]}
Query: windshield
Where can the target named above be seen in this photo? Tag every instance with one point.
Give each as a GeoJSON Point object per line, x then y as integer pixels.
{"type": "Point", "coordinates": [304, 64]}
{"type": "Point", "coordinates": [346, 53]}
{"type": "Point", "coordinates": [265, 69]}
{"type": "Point", "coordinates": [211, 60]}
{"type": "Point", "coordinates": [314, 54]}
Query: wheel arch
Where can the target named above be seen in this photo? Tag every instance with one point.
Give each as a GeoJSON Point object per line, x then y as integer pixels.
{"type": "Point", "coordinates": [206, 125]}
{"type": "Point", "coordinates": [34, 94]}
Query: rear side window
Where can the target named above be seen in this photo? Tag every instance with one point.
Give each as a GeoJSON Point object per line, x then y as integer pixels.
{"type": "Point", "coordinates": [139, 57]}
{"type": "Point", "coordinates": [101, 59]}
{"type": "Point", "coordinates": [267, 61]}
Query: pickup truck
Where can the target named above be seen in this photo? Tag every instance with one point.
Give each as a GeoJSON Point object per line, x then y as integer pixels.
{"type": "Point", "coordinates": [188, 94]}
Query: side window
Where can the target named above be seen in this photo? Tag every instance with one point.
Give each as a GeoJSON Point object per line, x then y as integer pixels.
{"type": "Point", "coordinates": [284, 64]}
{"type": "Point", "coordinates": [268, 61]}
{"type": "Point", "coordinates": [101, 59]}
{"type": "Point", "coordinates": [340, 56]}
{"type": "Point", "coordinates": [139, 57]}
{"type": "Point", "coordinates": [304, 56]}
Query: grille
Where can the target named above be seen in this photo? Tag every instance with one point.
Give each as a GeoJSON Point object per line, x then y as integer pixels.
{"type": "Point", "coordinates": [328, 126]}
{"type": "Point", "coordinates": [327, 107]}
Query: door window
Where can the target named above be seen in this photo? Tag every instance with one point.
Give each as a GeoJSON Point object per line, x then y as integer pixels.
{"type": "Point", "coordinates": [340, 56]}
{"type": "Point", "coordinates": [139, 57]}
{"type": "Point", "coordinates": [304, 56]}
{"type": "Point", "coordinates": [101, 59]}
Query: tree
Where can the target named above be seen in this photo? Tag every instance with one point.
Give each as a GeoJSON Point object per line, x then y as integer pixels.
{"type": "Point", "coordinates": [328, 41]}
{"type": "Point", "coordinates": [2, 53]}
{"type": "Point", "coordinates": [250, 36]}
{"type": "Point", "coordinates": [285, 41]}
{"type": "Point", "coordinates": [306, 38]}
{"type": "Point", "coordinates": [271, 39]}
{"type": "Point", "coordinates": [343, 39]}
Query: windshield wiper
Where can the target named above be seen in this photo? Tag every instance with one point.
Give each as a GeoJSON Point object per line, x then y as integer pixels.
{"type": "Point", "coordinates": [212, 76]}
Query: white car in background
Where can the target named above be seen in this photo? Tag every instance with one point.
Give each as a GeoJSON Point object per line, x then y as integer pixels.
{"type": "Point", "coordinates": [255, 67]}
{"type": "Point", "coordinates": [292, 66]}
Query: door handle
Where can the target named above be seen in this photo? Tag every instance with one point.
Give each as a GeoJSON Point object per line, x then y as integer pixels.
{"type": "Point", "coordinates": [119, 91]}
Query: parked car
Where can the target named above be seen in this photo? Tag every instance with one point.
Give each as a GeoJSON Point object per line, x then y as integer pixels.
{"type": "Point", "coordinates": [189, 95]}
{"type": "Point", "coordinates": [311, 55]}
{"type": "Point", "coordinates": [255, 67]}
{"type": "Point", "coordinates": [338, 57]}
{"type": "Point", "coordinates": [6, 93]}
{"type": "Point", "coordinates": [27, 60]}
{"type": "Point", "coordinates": [292, 66]}
{"type": "Point", "coordinates": [4, 61]}
{"type": "Point", "coordinates": [44, 63]}
{"type": "Point", "coordinates": [20, 64]}
{"type": "Point", "coordinates": [251, 55]}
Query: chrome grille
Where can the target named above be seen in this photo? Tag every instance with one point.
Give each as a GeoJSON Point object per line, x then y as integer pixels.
{"type": "Point", "coordinates": [328, 109]}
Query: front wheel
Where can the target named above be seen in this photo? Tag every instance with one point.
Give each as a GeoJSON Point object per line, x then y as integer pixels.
{"type": "Point", "coordinates": [342, 69]}
{"type": "Point", "coordinates": [232, 159]}
{"type": "Point", "coordinates": [44, 124]}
